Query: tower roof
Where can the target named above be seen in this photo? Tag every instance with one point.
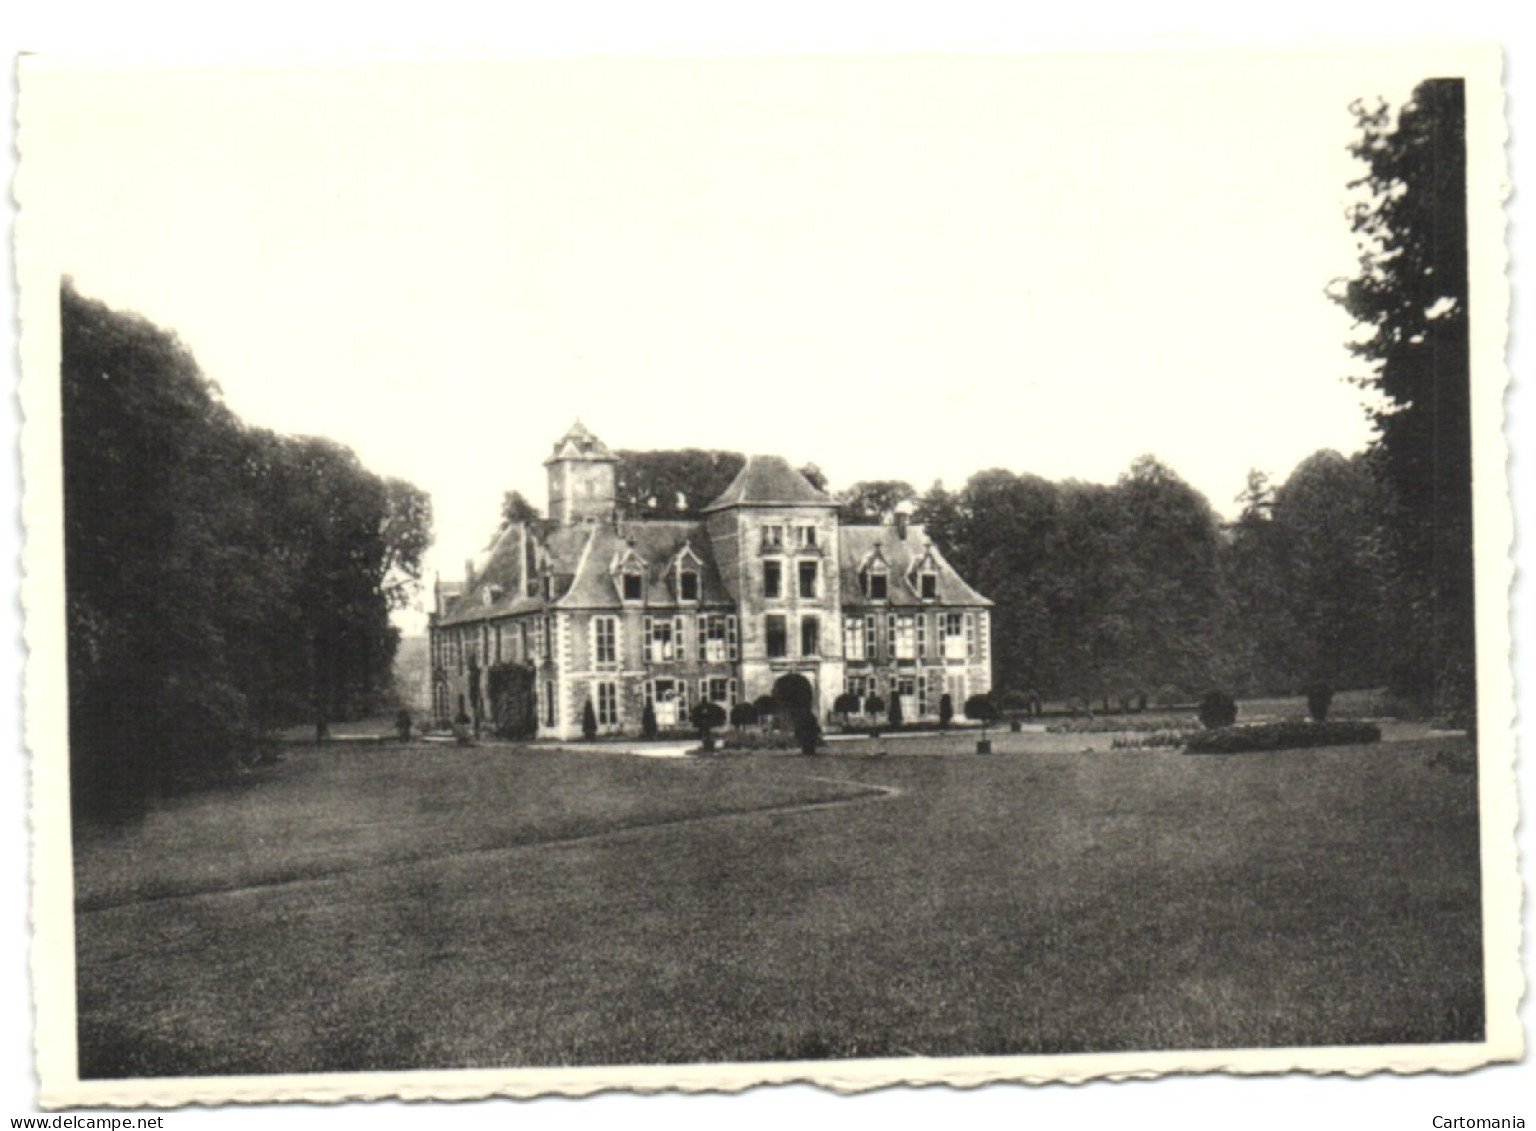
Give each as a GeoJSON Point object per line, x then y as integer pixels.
{"type": "Point", "coordinates": [580, 444]}
{"type": "Point", "coordinates": [769, 481]}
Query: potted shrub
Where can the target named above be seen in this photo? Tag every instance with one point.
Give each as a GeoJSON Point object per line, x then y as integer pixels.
{"type": "Point", "coordinates": [946, 711]}
{"type": "Point", "coordinates": [981, 709]}
{"type": "Point", "coordinates": [706, 716]}
{"type": "Point", "coordinates": [893, 712]}
{"type": "Point", "coordinates": [588, 722]}
{"type": "Point", "coordinates": [648, 723]}
{"type": "Point", "coordinates": [1016, 704]}
{"type": "Point", "coordinates": [403, 724]}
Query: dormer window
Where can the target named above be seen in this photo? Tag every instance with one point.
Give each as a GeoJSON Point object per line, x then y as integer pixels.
{"type": "Point", "coordinates": [773, 537]}
{"type": "Point", "coordinates": [688, 586]}
{"type": "Point", "coordinates": [628, 572]}
{"type": "Point", "coordinates": [876, 586]}
{"type": "Point", "coordinates": [929, 586]}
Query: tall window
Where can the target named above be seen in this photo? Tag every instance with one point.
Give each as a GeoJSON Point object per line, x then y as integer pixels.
{"type": "Point", "coordinates": [773, 537]}
{"type": "Point", "coordinates": [718, 690]}
{"type": "Point", "coordinates": [905, 642]}
{"type": "Point", "coordinates": [607, 704]}
{"type": "Point", "coordinates": [806, 535]}
{"type": "Point", "coordinates": [853, 638]}
{"type": "Point", "coordinates": [810, 636]}
{"type": "Point", "coordinates": [688, 586]}
{"type": "Point", "coordinates": [712, 643]}
{"type": "Point", "coordinates": [808, 571]}
{"type": "Point", "coordinates": [954, 636]}
{"type": "Point", "coordinates": [773, 579]}
{"type": "Point", "coordinates": [777, 635]}
{"type": "Point", "coordinates": [605, 633]}
{"type": "Point", "coordinates": [659, 640]}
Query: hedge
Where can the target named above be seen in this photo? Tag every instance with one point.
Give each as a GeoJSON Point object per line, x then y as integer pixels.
{"type": "Point", "coordinates": [1287, 735]}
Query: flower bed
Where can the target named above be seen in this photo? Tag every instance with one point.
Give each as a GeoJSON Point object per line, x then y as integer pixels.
{"type": "Point", "coordinates": [1287, 735]}
{"type": "Point", "coordinates": [1155, 740]}
{"type": "Point", "coordinates": [1134, 724]}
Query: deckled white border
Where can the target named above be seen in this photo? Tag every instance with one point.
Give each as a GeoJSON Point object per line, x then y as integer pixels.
{"type": "Point", "coordinates": [53, 973]}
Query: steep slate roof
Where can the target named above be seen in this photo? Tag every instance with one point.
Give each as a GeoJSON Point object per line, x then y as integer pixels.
{"type": "Point", "coordinates": [579, 444]}
{"type": "Point", "coordinates": [657, 542]}
{"type": "Point", "coordinates": [857, 543]}
{"type": "Point", "coordinates": [585, 554]}
{"type": "Point", "coordinates": [769, 481]}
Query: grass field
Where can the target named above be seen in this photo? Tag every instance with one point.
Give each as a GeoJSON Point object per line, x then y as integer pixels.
{"type": "Point", "coordinates": [431, 906]}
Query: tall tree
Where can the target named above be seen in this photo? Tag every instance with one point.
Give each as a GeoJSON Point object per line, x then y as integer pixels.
{"type": "Point", "coordinates": [874, 500]}
{"type": "Point", "coordinates": [672, 484]}
{"type": "Point", "coordinates": [219, 578]}
{"type": "Point", "coordinates": [1410, 300]}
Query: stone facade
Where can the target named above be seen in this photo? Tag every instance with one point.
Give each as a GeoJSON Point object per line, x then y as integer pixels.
{"type": "Point", "coordinates": [767, 582]}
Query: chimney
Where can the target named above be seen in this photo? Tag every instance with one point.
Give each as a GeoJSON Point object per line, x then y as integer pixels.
{"type": "Point", "coordinates": [903, 514]}
{"type": "Point", "coordinates": [469, 572]}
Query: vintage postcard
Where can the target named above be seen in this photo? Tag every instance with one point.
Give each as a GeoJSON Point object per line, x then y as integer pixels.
{"type": "Point", "coordinates": [548, 576]}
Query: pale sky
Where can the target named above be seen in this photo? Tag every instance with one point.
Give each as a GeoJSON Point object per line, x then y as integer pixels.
{"type": "Point", "coordinates": [909, 267]}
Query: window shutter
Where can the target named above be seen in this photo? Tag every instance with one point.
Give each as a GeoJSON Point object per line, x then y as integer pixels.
{"type": "Point", "coordinates": [682, 702]}
{"type": "Point", "coordinates": [701, 629]}
{"type": "Point", "coordinates": [618, 642]}
{"type": "Point", "coordinates": [679, 648]}
{"type": "Point", "coordinates": [703, 690]}
{"type": "Point", "coordinates": [650, 640]}
{"type": "Point", "coordinates": [970, 635]}
{"type": "Point", "coordinates": [731, 692]}
{"type": "Point", "coordinates": [730, 635]}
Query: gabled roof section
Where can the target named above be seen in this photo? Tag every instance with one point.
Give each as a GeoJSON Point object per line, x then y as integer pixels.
{"type": "Point", "coordinates": [769, 481]}
{"type": "Point", "coordinates": [655, 546]}
{"type": "Point", "coordinates": [859, 545]}
{"type": "Point", "coordinates": [501, 588]}
{"type": "Point", "coordinates": [580, 444]}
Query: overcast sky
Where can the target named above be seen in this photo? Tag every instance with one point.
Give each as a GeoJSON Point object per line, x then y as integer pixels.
{"type": "Point", "coordinates": [902, 267]}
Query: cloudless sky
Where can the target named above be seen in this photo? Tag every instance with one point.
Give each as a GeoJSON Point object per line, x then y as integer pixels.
{"type": "Point", "coordinates": [906, 266]}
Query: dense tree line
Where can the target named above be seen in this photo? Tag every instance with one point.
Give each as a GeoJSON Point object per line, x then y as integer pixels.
{"type": "Point", "coordinates": [221, 580]}
{"type": "Point", "coordinates": [1137, 588]}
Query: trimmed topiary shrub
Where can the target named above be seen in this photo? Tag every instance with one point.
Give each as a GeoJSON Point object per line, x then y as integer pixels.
{"type": "Point", "coordinates": [1015, 704]}
{"type": "Point", "coordinates": [807, 732]}
{"type": "Point", "coordinates": [981, 709]}
{"type": "Point", "coordinates": [588, 721]}
{"type": "Point", "coordinates": [1218, 709]}
{"type": "Point", "coordinates": [846, 704]}
{"type": "Point", "coordinates": [743, 715]}
{"type": "Point", "coordinates": [1287, 735]}
{"type": "Point", "coordinates": [648, 722]}
{"type": "Point", "coordinates": [767, 709]}
{"type": "Point", "coordinates": [874, 705]}
{"type": "Point", "coordinates": [706, 716]}
{"type": "Point", "coordinates": [403, 724]}
{"type": "Point", "coordinates": [946, 711]}
{"type": "Point", "coordinates": [1319, 699]}
{"type": "Point", "coordinates": [893, 711]}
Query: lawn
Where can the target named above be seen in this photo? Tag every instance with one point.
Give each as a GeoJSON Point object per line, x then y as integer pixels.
{"type": "Point", "coordinates": [429, 906]}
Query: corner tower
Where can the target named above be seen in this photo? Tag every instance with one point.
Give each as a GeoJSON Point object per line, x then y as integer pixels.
{"type": "Point", "coordinates": [581, 478]}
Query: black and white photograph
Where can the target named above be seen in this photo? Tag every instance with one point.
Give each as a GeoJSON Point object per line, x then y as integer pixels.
{"type": "Point", "coordinates": [560, 574]}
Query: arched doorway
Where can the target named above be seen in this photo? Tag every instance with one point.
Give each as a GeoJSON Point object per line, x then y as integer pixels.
{"type": "Point", "coordinates": [793, 693]}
